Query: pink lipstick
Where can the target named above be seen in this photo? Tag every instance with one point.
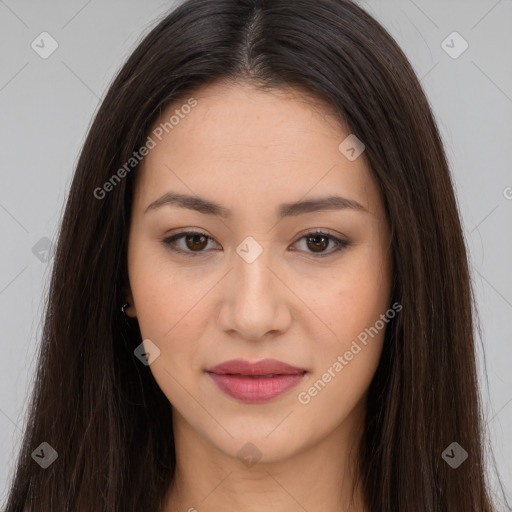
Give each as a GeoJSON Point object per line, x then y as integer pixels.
{"type": "Point", "coordinates": [255, 382]}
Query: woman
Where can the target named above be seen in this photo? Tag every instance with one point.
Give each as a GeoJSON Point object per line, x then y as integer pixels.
{"type": "Point", "coordinates": [261, 297]}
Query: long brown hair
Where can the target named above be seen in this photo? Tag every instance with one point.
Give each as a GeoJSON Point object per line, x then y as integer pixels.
{"type": "Point", "coordinates": [103, 412]}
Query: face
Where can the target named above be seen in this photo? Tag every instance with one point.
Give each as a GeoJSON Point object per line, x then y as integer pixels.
{"type": "Point", "coordinates": [254, 281]}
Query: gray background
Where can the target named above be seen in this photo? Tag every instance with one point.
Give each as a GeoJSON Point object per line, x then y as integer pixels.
{"type": "Point", "coordinates": [47, 106]}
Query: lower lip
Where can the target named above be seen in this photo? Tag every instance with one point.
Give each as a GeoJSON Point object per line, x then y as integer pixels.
{"type": "Point", "coordinates": [255, 389]}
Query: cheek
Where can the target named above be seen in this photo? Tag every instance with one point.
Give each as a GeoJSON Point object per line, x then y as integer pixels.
{"type": "Point", "coordinates": [167, 308]}
{"type": "Point", "coordinates": [170, 313]}
{"type": "Point", "coordinates": [345, 365]}
{"type": "Point", "coordinates": [356, 296]}
{"type": "Point", "coordinates": [170, 303]}
{"type": "Point", "coordinates": [352, 306]}
{"type": "Point", "coordinates": [154, 298]}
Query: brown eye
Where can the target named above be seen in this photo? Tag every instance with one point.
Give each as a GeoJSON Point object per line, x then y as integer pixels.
{"type": "Point", "coordinates": [196, 242]}
{"type": "Point", "coordinates": [318, 243]}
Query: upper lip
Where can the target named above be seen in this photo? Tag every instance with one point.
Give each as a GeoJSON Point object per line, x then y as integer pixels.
{"type": "Point", "coordinates": [263, 367]}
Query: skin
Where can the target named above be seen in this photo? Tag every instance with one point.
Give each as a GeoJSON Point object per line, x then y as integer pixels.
{"type": "Point", "coordinates": [251, 151]}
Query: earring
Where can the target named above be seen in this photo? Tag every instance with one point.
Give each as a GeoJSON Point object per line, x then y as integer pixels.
{"type": "Point", "coordinates": [123, 309]}
{"type": "Point", "coordinates": [125, 316]}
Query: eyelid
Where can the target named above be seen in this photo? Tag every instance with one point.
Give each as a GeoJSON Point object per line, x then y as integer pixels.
{"type": "Point", "coordinates": [340, 243]}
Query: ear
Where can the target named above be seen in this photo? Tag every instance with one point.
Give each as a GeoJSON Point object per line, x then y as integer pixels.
{"type": "Point", "coordinates": [128, 298]}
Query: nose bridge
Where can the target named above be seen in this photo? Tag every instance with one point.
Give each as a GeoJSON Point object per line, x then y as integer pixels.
{"type": "Point", "coordinates": [254, 304]}
{"type": "Point", "coordinates": [252, 275]}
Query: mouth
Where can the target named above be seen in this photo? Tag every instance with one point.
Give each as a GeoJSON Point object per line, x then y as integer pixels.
{"type": "Point", "coordinates": [254, 376]}
{"type": "Point", "coordinates": [255, 382]}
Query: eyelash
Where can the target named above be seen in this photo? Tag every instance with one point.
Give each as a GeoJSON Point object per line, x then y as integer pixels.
{"type": "Point", "coordinates": [340, 244]}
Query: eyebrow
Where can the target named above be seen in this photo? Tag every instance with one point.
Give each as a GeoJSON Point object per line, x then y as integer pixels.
{"type": "Point", "coordinates": [207, 207]}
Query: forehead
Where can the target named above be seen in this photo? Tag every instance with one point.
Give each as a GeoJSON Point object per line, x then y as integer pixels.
{"type": "Point", "coordinates": [243, 144]}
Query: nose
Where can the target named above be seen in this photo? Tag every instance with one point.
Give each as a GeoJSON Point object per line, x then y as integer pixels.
{"type": "Point", "coordinates": [255, 302]}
